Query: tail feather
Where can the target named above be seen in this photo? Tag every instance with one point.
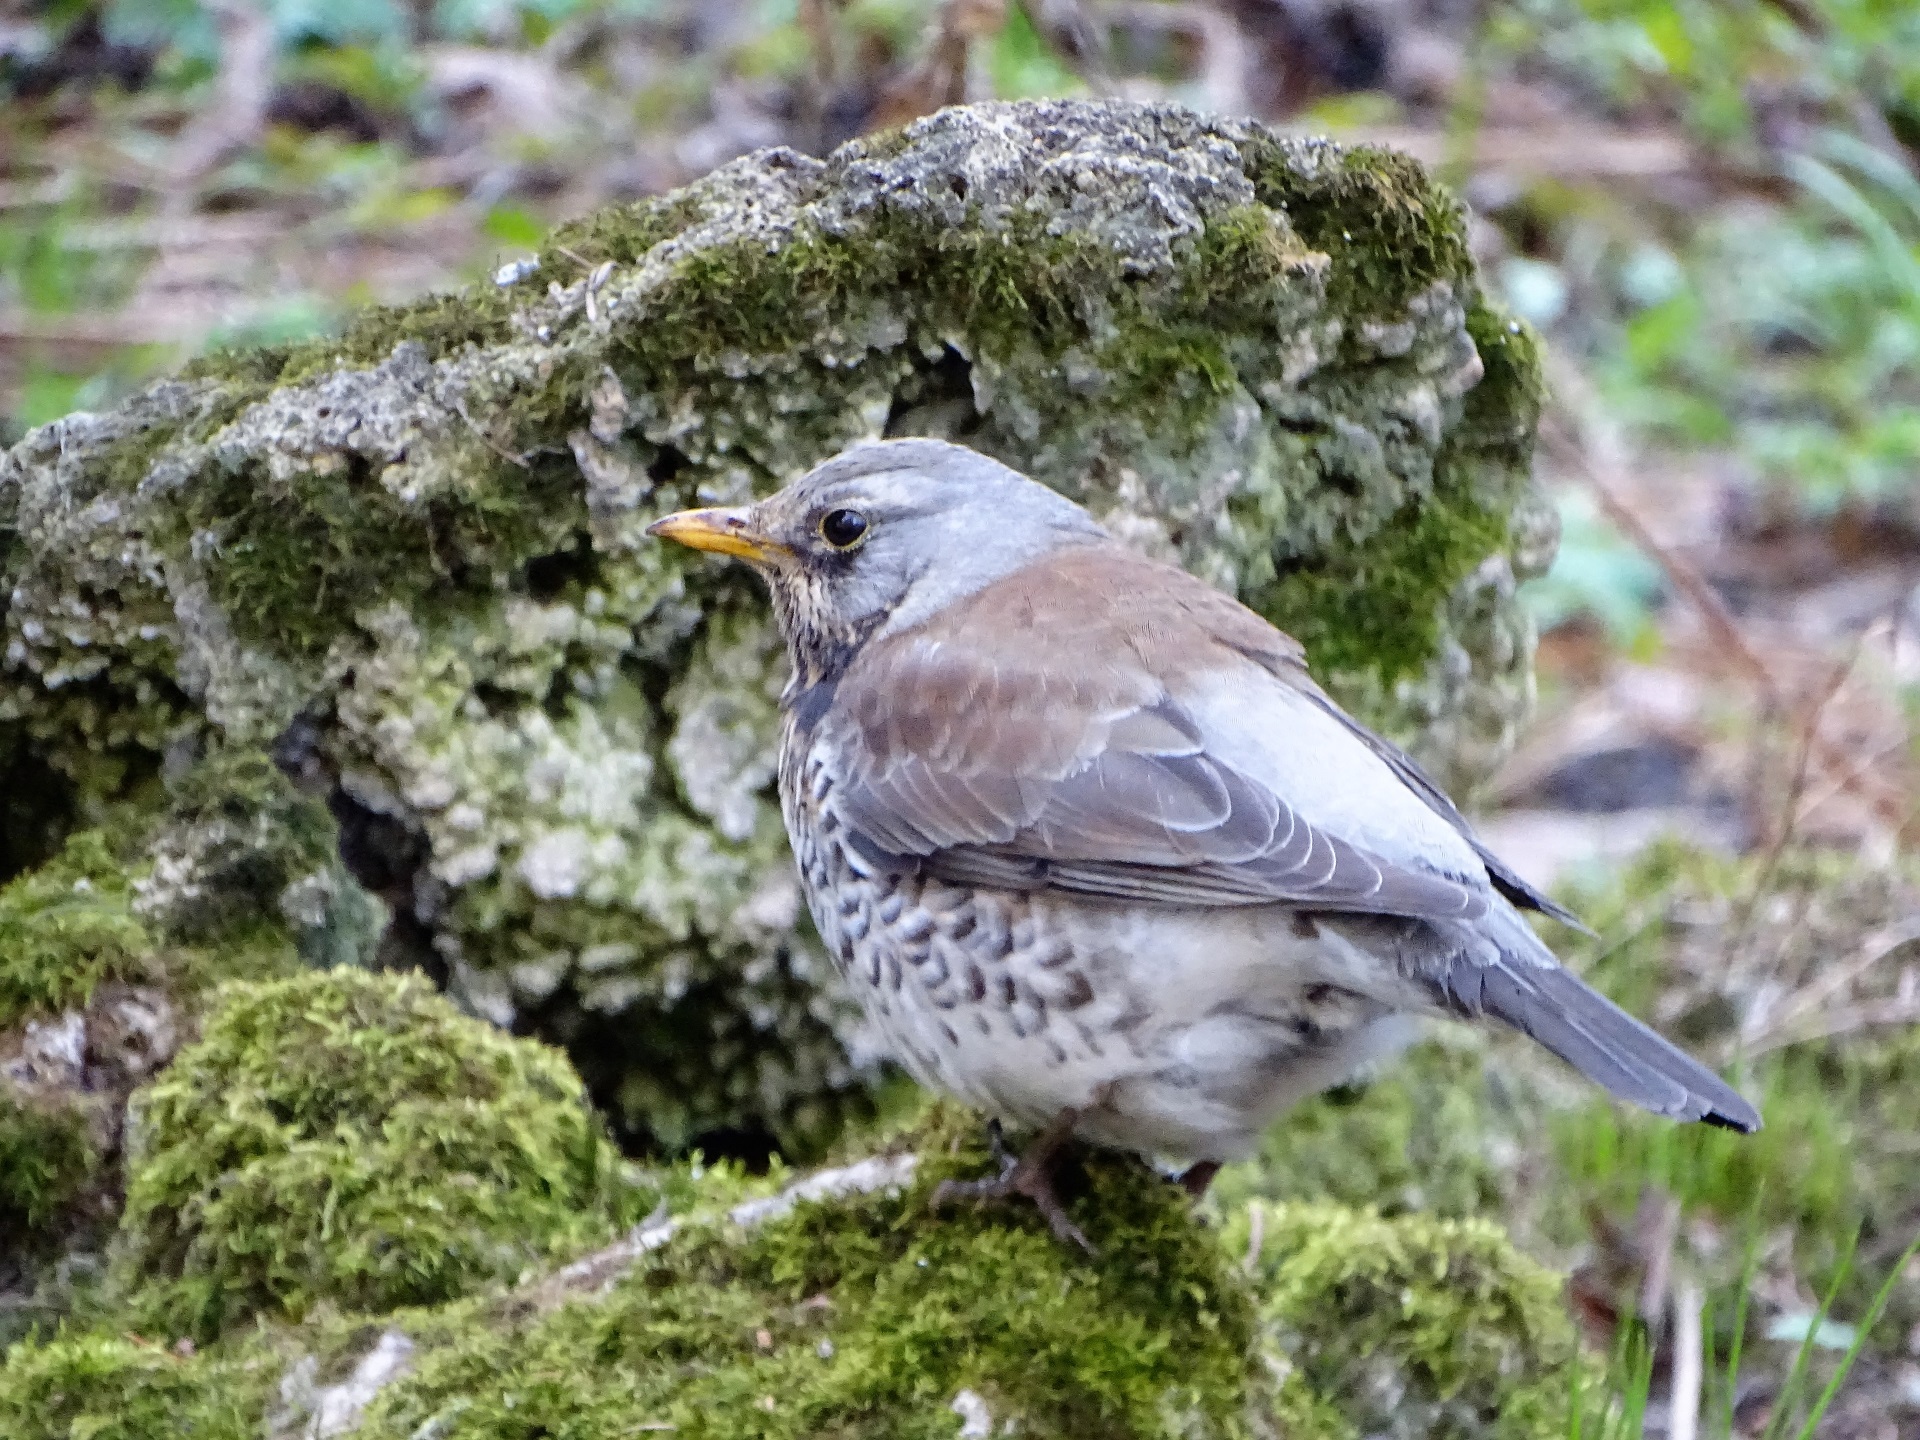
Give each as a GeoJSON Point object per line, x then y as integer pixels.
{"type": "Point", "coordinates": [1588, 1031]}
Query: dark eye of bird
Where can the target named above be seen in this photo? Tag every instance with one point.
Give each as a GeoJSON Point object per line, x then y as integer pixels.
{"type": "Point", "coordinates": [842, 528]}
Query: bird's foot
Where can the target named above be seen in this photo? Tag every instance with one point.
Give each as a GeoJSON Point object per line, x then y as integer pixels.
{"type": "Point", "coordinates": [1030, 1177]}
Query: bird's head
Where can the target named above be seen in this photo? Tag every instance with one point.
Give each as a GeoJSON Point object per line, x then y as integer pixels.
{"type": "Point", "coordinates": [883, 536]}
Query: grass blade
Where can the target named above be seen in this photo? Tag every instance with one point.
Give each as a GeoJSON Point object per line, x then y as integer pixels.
{"type": "Point", "coordinates": [1867, 1322]}
{"type": "Point", "coordinates": [1890, 173]}
{"type": "Point", "coordinates": [1748, 1268]}
{"type": "Point", "coordinates": [1797, 1376]}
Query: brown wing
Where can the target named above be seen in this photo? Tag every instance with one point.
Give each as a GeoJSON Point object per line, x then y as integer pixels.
{"type": "Point", "coordinates": [1073, 752]}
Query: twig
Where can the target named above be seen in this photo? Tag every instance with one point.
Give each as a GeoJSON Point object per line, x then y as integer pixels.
{"type": "Point", "coordinates": [1223, 57]}
{"type": "Point", "coordinates": [177, 232]}
{"type": "Point", "coordinates": [1256, 1236]}
{"type": "Point", "coordinates": [1812, 714]}
{"type": "Point", "coordinates": [1686, 579]}
{"type": "Point", "coordinates": [1565, 152]}
{"type": "Point", "coordinates": [1842, 1020]}
{"type": "Point", "coordinates": [1805, 16]}
{"type": "Point", "coordinates": [108, 331]}
{"type": "Point", "coordinates": [942, 76]}
{"type": "Point", "coordinates": [1657, 1231]}
{"type": "Point", "coordinates": [33, 194]}
{"type": "Point", "coordinates": [1683, 1406]}
{"type": "Point", "coordinates": [241, 91]}
{"type": "Point", "coordinates": [1879, 946]}
{"type": "Point", "coordinates": [1853, 777]}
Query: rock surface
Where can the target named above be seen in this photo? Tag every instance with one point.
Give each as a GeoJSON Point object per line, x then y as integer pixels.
{"type": "Point", "coordinates": [407, 563]}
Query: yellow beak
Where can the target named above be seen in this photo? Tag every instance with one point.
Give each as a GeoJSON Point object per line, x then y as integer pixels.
{"type": "Point", "coordinates": [723, 531]}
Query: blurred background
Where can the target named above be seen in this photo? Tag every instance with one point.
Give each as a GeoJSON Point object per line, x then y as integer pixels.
{"type": "Point", "coordinates": [1708, 208]}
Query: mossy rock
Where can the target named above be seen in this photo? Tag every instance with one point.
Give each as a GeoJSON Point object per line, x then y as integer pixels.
{"type": "Point", "coordinates": [407, 561]}
{"type": "Point", "coordinates": [107, 951]}
{"type": "Point", "coordinates": [352, 1139]}
{"type": "Point", "coordinates": [47, 1163]}
{"type": "Point", "coordinates": [1414, 1326]}
{"type": "Point", "coordinates": [838, 1305]}
{"type": "Point", "coordinates": [65, 928]}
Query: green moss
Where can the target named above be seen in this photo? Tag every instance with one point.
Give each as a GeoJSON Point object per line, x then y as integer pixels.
{"type": "Point", "coordinates": [1417, 1137]}
{"type": "Point", "coordinates": [65, 928]}
{"type": "Point", "coordinates": [864, 1315]}
{"type": "Point", "coordinates": [444, 323]}
{"type": "Point", "coordinates": [298, 556]}
{"type": "Point", "coordinates": [1373, 606]}
{"type": "Point", "coordinates": [104, 1387]}
{"type": "Point", "coordinates": [867, 1318]}
{"type": "Point", "coordinates": [241, 830]}
{"type": "Point", "coordinates": [48, 1160]}
{"type": "Point", "coordinates": [349, 1137]}
{"type": "Point", "coordinates": [1415, 1326]}
{"type": "Point", "coordinates": [195, 416]}
{"type": "Point", "coordinates": [620, 233]}
{"type": "Point", "coordinates": [1503, 410]}
{"type": "Point", "coordinates": [1389, 230]}
{"type": "Point", "coordinates": [247, 833]}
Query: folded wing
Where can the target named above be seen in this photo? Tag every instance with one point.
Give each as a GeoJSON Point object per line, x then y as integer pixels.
{"type": "Point", "coordinates": [1115, 746]}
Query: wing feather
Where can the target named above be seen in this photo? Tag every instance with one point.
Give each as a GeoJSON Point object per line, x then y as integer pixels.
{"type": "Point", "coordinates": [1089, 755]}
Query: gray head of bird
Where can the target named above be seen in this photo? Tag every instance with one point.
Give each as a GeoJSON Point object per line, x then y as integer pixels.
{"type": "Point", "coordinates": [883, 536]}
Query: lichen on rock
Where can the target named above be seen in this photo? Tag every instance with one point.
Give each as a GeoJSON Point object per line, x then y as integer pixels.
{"type": "Point", "coordinates": [408, 560]}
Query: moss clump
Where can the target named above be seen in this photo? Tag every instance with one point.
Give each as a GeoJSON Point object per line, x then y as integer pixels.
{"type": "Point", "coordinates": [298, 554]}
{"type": "Point", "coordinates": [867, 1317]}
{"type": "Point", "coordinates": [168, 893]}
{"type": "Point", "coordinates": [1414, 1326]}
{"type": "Point", "coordinates": [48, 1161]}
{"type": "Point", "coordinates": [349, 1137]}
{"type": "Point", "coordinates": [1370, 607]}
{"type": "Point", "coordinates": [65, 928]}
{"type": "Point", "coordinates": [112, 1387]}
{"type": "Point", "coordinates": [1390, 232]}
{"type": "Point", "coordinates": [235, 830]}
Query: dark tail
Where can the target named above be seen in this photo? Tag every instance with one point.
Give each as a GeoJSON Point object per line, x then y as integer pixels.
{"type": "Point", "coordinates": [1595, 1036]}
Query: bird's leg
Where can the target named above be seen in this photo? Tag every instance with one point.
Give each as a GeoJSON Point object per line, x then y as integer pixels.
{"type": "Point", "coordinates": [1198, 1176]}
{"type": "Point", "coordinates": [997, 1140]}
{"type": "Point", "coordinates": [1030, 1176]}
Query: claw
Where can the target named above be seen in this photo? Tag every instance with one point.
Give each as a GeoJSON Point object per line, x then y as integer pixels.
{"type": "Point", "coordinates": [1030, 1177]}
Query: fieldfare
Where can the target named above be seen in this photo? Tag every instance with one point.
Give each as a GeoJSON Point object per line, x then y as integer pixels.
{"type": "Point", "coordinates": [1095, 853]}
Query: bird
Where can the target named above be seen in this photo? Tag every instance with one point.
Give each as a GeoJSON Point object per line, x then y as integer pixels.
{"type": "Point", "coordinates": [1095, 852]}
